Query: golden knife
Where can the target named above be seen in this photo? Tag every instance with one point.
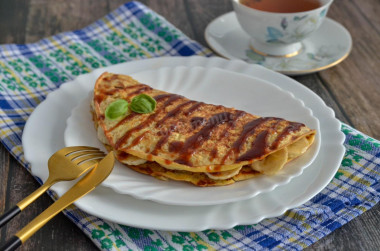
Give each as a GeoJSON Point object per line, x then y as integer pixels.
{"type": "Point", "coordinates": [81, 188]}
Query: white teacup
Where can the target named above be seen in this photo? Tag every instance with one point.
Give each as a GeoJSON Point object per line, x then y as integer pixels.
{"type": "Point", "coordinates": [279, 34]}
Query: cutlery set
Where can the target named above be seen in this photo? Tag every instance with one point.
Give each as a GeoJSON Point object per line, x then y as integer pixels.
{"type": "Point", "coordinates": [66, 164]}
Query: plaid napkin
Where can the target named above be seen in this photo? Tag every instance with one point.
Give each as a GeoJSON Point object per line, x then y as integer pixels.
{"type": "Point", "coordinates": [29, 72]}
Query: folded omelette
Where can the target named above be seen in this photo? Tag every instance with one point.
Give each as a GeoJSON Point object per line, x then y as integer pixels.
{"type": "Point", "coordinates": [187, 140]}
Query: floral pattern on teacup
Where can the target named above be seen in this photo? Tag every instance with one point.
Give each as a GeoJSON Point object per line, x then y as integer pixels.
{"type": "Point", "coordinates": [294, 29]}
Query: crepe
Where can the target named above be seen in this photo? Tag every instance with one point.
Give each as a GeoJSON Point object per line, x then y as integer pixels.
{"type": "Point", "coordinates": [187, 140]}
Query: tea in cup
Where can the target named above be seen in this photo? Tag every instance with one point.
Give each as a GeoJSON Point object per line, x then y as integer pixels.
{"type": "Point", "coordinates": [277, 27]}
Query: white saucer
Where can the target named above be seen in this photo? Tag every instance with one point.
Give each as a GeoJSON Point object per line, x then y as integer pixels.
{"type": "Point", "coordinates": [328, 46]}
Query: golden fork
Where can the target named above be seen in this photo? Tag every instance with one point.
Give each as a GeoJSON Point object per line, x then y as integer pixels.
{"type": "Point", "coordinates": [66, 164]}
{"type": "Point", "coordinates": [81, 188]}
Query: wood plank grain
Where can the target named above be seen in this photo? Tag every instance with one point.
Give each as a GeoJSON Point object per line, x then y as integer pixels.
{"type": "Point", "coordinates": [12, 24]}
{"type": "Point", "coordinates": [46, 18]}
{"type": "Point", "coordinates": [4, 175]}
{"type": "Point", "coordinates": [201, 13]}
{"type": "Point", "coordinates": [370, 10]}
{"type": "Point", "coordinates": [355, 82]}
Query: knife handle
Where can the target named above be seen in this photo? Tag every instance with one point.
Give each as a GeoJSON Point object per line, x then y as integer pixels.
{"type": "Point", "coordinates": [12, 244]}
{"type": "Point", "coordinates": [9, 215]}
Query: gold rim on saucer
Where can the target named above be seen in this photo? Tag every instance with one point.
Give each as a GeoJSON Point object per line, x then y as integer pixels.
{"type": "Point", "coordinates": [289, 55]}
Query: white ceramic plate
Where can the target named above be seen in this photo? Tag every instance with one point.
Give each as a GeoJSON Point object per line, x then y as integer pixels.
{"type": "Point", "coordinates": [326, 47]}
{"type": "Point", "coordinates": [215, 86]}
{"type": "Point", "coordinates": [43, 135]}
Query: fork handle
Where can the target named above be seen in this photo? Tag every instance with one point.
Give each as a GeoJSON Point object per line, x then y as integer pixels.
{"type": "Point", "coordinates": [12, 244]}
{"type": "Point", "coordinates": [9, 215]}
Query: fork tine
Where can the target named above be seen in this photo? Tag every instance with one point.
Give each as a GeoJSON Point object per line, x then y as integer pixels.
{"type": "Point", "coordinates": [71, 149]}
{"type": "Point", "coordinates": [88, 163]}
{"type": "Point", "coordinates": [75, 155]}
{"type": "Point", "coordinates": [86, 157]}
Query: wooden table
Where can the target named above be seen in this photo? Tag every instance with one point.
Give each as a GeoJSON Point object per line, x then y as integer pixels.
{"type": "Point", "coordinates": [351, 88]}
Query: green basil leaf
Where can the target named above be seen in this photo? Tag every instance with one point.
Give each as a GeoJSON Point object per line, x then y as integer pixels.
{"type": "Point", "coordinates": [143, 104]}
{"type": "Point", "coordinates": [116, 109]}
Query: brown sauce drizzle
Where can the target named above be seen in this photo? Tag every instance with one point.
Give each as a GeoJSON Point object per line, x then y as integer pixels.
{"type": "Point", "coordinates": [292, 127]}
{"type": "Point", "coordinates": [176, 146]}
{"type": "Point", "coordinates": [213, 154]}
{"type": "Point", "coordinates": [168, 162]}
{"type": "Point", "coordinates": [137, 139]}
{"type": "Point", "coordinates": [258, 149]}
{"type": "Point", "coordinates": [150, 157]}
{"type": "Point", "coordinates": [192, 143]}
{"type": "Point", "coordinates": [122, 155]}
{"type": "Point", "coordinates": [248, 129]}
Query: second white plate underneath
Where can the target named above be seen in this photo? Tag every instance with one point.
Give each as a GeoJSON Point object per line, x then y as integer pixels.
{"type": "Point", "coordinates": [215, 86]}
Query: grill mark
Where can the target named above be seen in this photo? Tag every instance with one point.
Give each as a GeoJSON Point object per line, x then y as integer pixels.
{"type": "Point", "coordinates": [192, 143]}
{"type": "Point", "coordinates": [292, 127]}
{"type": "Point", "coordinates": [124, 120]}
{"type": "Point", "coordinates": [172, 127]}
{"type": "Point", "coordinates": [160, 143]}
{"type": "Point", "coordinates": [104, 93]}
{"type": "Point", "coordinates": [127, 134]}
{"type": "Point", "coordinates": [193, 108]}
{"type": "Point", "coordinates": [248, 129]}
{"type": "Point", "coordinates": [114, 77]}
{"type": "Point", "coordinates": [232, 123]}
{"type": "Point", "coordinates": [173, 112]}
{"type": "Point", "coordinates": [197, 122]}
{"type": "Point", "coordinates": [171, 98]}
{"type": "Point", "coordinates": [140, 90]}
{"type": "Point", "coordinates": [150, 119]}
{"type": "Point", "coordinates": [158, 98]}
{"type": "Point", "coordinates": [162, 96]}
